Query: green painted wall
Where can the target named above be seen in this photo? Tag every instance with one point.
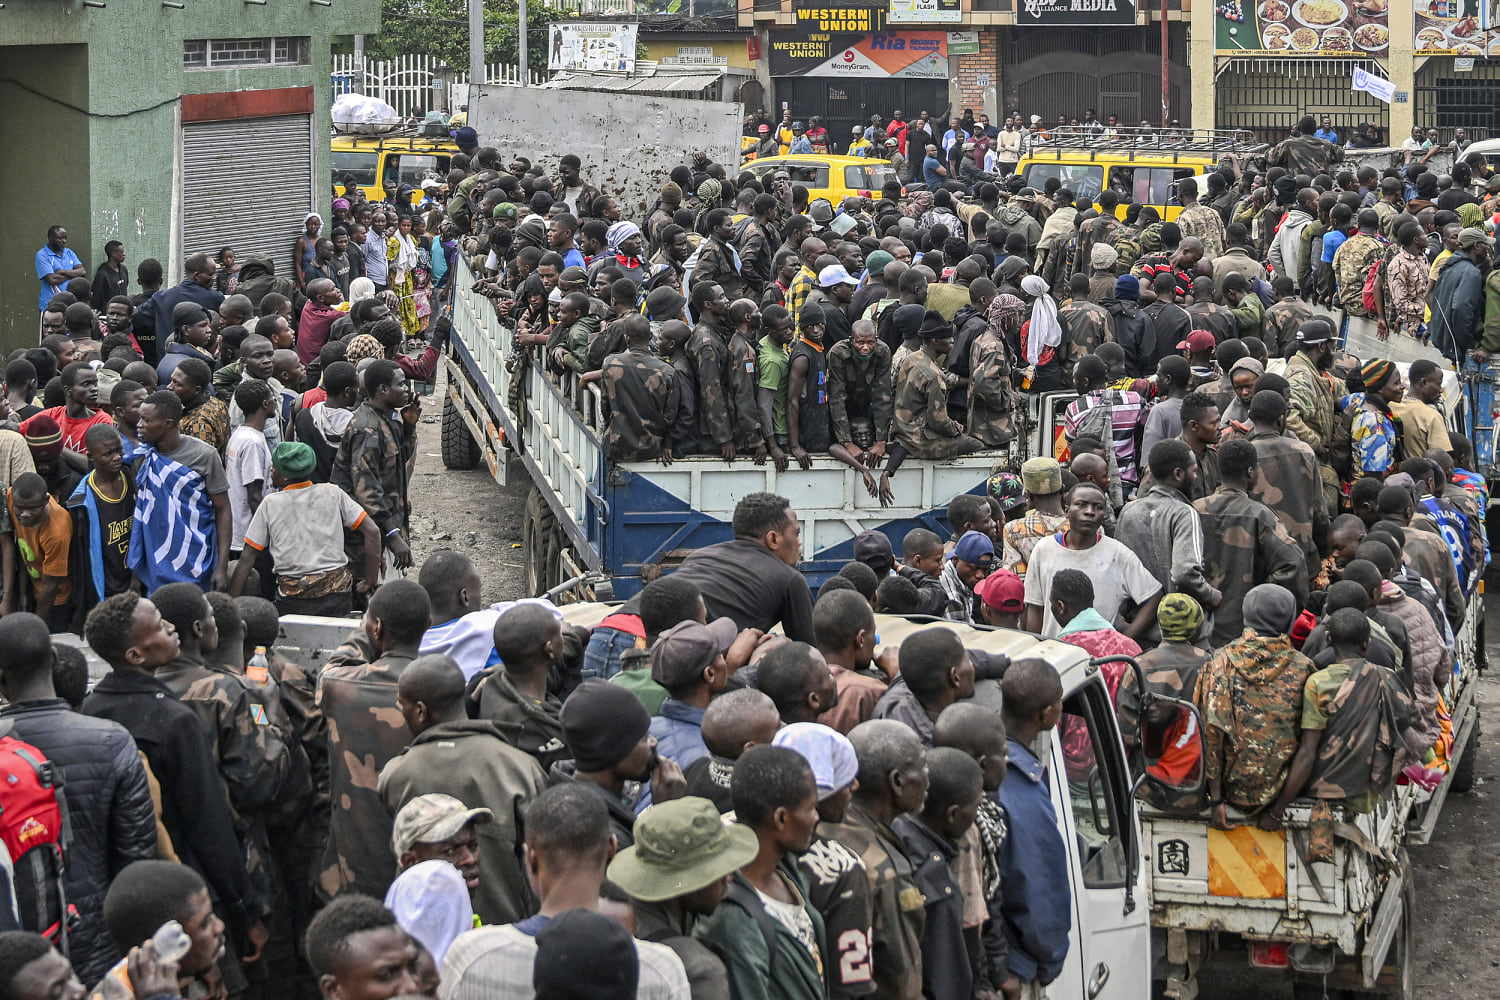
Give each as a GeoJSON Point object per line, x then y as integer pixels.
{"type": "Point", "coordinates": [109, 174]}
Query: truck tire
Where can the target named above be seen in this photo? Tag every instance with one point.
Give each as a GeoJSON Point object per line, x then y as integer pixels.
{"type": "Point", "coordinates": [1463, 775]}
{"type": "Point", "coordinates": [460, 450]}
{"type": "Point", "coordinates": [541, 540]}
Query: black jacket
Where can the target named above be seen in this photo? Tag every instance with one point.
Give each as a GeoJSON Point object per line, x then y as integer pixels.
{"type": "Point", "coordinates": [110, 816]}
{"type": "Point", "coordinates": [194, 802]}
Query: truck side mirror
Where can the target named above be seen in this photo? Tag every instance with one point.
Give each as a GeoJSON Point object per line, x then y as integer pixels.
{"type": "Point", "coordinates": [1173, 750]}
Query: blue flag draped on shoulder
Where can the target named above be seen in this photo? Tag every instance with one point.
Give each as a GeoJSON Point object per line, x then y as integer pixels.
{"type": "Point", "coordinates": [174, 537]}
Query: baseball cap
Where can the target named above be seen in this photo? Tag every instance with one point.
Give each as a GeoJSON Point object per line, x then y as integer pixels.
{"type": "Point", "coordinates": [1002, 590]}
{"type": "Point", "coordinates": [1315, 331]}
{"type": "Point", "coordinates": [504, 210]}
{"type": "Point", "coordinates": [429, 819]}
{"type": "Point", "coordinates": [573, 273]}
{"type": "Point", "coordinates": [1041, 476]}
{"type": "Point", "coordinates": [974, 548]}
{"type": "Point", "coordinates": [1469, 237]}
{"type": "Point", "coordinates": [821, 212]}
{"type": "Point", "coordinates": [764, 129]}
{"type": "Point", "coordinates": [1199, 342]}
{"type": "Point", "coordinates": [680, 847]}
{"type": "Point", "coordinates": [873, 548]}
{"type": "Point", "coordinates": [827, 751]}
{"type": "Point", "coordinates": [834, 274]}
{"type": "Point", "coordinates": [685, 650]}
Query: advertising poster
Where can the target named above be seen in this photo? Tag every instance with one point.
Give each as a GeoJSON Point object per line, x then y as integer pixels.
{"type": "Point", "coordinates": [592, 46]}
{"type": "Point", "coordinates": [925, 11]}
{"type": "Point", "coordinates": [1450, 28]}
{"type": "Point", "coordinates": [907, 55]}
{"type": "Point", "coordinates": [1073, 13]}
{"type": "Point", "coordinates": [1303, 27]}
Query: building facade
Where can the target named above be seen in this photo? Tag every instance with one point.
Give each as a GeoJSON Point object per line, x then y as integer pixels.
{"type": "Point", "coordinates": [172, 127]}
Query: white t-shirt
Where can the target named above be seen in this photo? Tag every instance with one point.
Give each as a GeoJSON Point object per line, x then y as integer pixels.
{"type": "Point", "coordinates": [247, 458]}
{"type": "Point", "coordinates": [1115, 571]}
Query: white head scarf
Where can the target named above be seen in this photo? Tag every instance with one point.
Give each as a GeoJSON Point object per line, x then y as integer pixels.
{"type": "Point", "coordinates": [361, 288]}
{"type": "Point", "coordinates": [1045, 330]}
{"type": "Point", "coordinates": [430, 901]}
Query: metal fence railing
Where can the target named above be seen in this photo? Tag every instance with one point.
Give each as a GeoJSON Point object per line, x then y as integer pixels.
{"type": "Point", "coordinates": [406, 83]}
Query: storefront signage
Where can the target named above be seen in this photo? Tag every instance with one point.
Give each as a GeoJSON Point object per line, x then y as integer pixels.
{"type": "Point", "coordinates": [592, 46]}
{"type": "Point", "coordinates": [909, 55]}
{"type": "Point", "coordinates": [695, 55]}
{"type": "Point", "coordinates": [1452, 28]}
{"type": "Point", "coordinates": [963, 43]}
{"type": "Point", "coordinates": [925, 12]}
{"type": "Point", "coordinates": [1073, 13]}
{"type": "Point", "coordinates": [1303, 27]}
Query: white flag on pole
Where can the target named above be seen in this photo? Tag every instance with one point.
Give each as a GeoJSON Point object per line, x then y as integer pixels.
{"type": "Point", "coordinates": [1372, 84]}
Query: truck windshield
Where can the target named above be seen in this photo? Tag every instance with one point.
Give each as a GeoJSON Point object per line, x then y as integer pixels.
{"type": "Point", "coordinates": [1083, 179]}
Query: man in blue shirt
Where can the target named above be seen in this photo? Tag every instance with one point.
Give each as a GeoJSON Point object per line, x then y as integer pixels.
{"type": "Point", "coordinates": [197, 287]}
{"type": "Point", "coordinates": [560, 232]}
{"type": "Point", "coordinates": [955, 134]}
{"type": "Point", "coordinates": [933, 170]}
{"type": "Point", "coordinates": [1036, 912]}
{"type": "Point", "coordinates": [56, 265]}
{"type": "Point", "coordinates": [1327, 131]}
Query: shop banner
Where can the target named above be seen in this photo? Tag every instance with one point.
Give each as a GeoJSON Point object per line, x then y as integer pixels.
{"type": "Point", "coordinates": [1073, 13]}
{"type": "Point", "coordinates": [591, 46]}
{"type": "Point", "coordinates": [1452, 28]}
{"type": "Point", "coordinates": [925, 12]}
{"type": "Point", "coordinates": [906, 55]}
{"type": "Point", "coordinates": [963, 43]}
{"type": "Point", "coordinates": [1303, 27]}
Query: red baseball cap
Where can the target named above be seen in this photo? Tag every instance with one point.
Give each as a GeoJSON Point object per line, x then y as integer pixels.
{"type": "Point", "coordinates": [1199, 342]}
{"type": "Point", "coordinates": [1003, 591]}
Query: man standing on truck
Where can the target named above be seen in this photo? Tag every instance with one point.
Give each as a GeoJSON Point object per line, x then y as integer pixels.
{"type": "Point", "coordinates": [643, 397]}
{"type": "Point", "coordinates": [921, 424]}
{"type": "Point", "coordinates": [708, 354]}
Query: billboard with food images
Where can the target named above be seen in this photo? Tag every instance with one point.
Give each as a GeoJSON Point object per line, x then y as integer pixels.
{"type": "Point", "coordinates": [1305, 27]}
{"type": "Point", "coordinates": [1451, 28]}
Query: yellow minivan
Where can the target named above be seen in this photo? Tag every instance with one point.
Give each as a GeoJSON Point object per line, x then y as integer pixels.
{"type": "Point", "coordinates": [1142, 169]}
{"type": "Point", "coordinates": [374, 160]}
{"type": "Point", "coordinates": [831, 177]}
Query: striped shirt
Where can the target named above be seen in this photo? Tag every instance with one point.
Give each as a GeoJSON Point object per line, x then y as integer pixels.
{"type": "Point", "coordinates": [1126, 413]}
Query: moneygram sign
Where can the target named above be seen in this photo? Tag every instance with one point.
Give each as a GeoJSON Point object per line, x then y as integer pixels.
{"type": "Point", "coordinates": [853, 42]}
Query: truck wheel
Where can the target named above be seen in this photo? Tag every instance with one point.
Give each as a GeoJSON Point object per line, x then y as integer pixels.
{"type": "Point", "coordinates": [541, 540]}
{"type": "Point", "coordinates": [1463, 776]}
{"type": "Point", "coordinates": [460, 450]}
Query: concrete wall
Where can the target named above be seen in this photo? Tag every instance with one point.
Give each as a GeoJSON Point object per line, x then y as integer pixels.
{"type": "Point", "coordinates": [113, 173]}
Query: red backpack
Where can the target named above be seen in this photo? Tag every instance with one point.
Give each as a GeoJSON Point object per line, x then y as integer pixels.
{"type": "Point", "coordinates": [1369, 294]}
{"type": "Point", "coordinates": [33, 833]}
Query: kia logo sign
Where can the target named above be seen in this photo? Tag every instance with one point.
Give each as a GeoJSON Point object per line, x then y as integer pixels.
{"type": "Point", "coordinates": [848, 55]}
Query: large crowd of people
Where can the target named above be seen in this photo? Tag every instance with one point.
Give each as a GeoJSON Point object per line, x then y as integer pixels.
{"type": "Point", "coordinates": [729, 788]}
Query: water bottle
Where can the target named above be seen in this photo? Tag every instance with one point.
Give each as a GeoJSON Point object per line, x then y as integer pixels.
{"type": "Point", "coordinates": [172, 942]}
{"type": "Point", "coordinates": [258, 670]}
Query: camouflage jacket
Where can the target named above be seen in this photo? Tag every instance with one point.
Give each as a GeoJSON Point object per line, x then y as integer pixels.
{"type": "Point", "coordinates": [1085, 326]}
{"type": "Point", "coordinates": [921, 422]}
{"type": "Point", "coordinates": [859, 387]}
{"type": "Point", "coordinates": [1250, 692]}
{"type": "Point", "coordinates": [643, 398]}
{"type": "Point", "coordinates": [1217, 320]}
{"type": "Point", "coordinates": [741, 376]}
{"type": "Point", "coordinates": [1290, 485]}
{"type": "Point", "coordinates": [1305, 154]}
{"type": "Point", "coordinates": [680, 436]}
{"type": "Point", "coordinates": [1171, 670]}
{"type": "Point", "coordinates": [898, 910]}
{"type": "Point", "coordinates": [757, 254]}
{"type": "Point", "coordinates": [372, 465]}
{"type": "Point", "coordinates": [1204, 223]}
{"type": "Point", "coordinates": [1245, 545]}
{"type": "Point", "coordinates": [1281, 321]}
{"type": "Point", "coordinates": [1310, 408]}
{"type": "Point", "coordinates": [992, 395]}
{"type": "Point", "coordinates": [708, 355]}
{"type": "Point", "coordinates": [1365, 710]}
{"type": "Point", "coordinates": [717, 263]}
{"type": "Point", "coordinates": [1351, 264]}
{"type": "Point", "coordinates": [1104, 229]}
{"type": "Point", "coordinates": [365, 732]}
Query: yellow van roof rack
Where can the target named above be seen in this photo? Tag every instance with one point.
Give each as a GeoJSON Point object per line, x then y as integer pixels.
{"type": "Point", "coordinates": [1143, 142]}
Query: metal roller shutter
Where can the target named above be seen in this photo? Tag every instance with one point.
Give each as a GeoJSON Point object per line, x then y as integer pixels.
{"type": "Point", "coordinates": [246, 184]}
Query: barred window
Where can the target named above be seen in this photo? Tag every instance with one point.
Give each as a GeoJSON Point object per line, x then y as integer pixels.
{"type": "Point", "coordinates": [234, 53]}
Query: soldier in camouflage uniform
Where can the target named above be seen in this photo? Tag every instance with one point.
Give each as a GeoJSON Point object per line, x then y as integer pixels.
{"type": "Point", "coordinates": [1209, 315]}
{"type": "Point", "coordinates": [1199, 220]}
{"type": "Point", "coordinates": [921, 423]}
{"type": "Point", "coordinates": [717, 261]}
{"type": "Point", "coordinates": [1310, 414]}
{"type": "Point", "coordinates": [1085, 325]}
{"type": "Point", "coordinates": [1290, 481]}
{"type": "Point", "coordinates": [366, 732]}
{"type": "Point", "coordinates": [375, 457]}
{"type": "Point", "coordinates": [1250, 695]}
{"type": "Point", "coordinates": [886, 748]}
{"type": "Point", "coordinates": [642, 397]}
{"type": "Point", "coordinates": [1170, 669]}
{"type": "Point", "coordinates": [1284, 317]}
{"type": "Point", "coordinates": [1305, 153]}
{"type": "Point", "coordinates": [859, 385]}
{"type": "Point", "coordinates": [1102, 230]}
{"type": "Point", "coordinates": [708, 355]}
{"type": "Point", "coordinates": [1243, 542]}
{"type": "Point", "coordinates": [742, 377]}
{"type": "Point", "coordinates": [1128, 243]}
{"type": "Point", "coordinates": [672, 345]}
{"type": "Point", "coordinates": [992, 394]}
{"type": "Point", "coordinates": [1352, 262]}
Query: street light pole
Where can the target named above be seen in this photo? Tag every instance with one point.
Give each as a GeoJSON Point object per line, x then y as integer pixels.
{"type": "Point", "coordinates": [521, 14]}
{"type": "Point", "coordinates": [476, 48]}
{"type": "Point", "coordinates": [1165, 90]}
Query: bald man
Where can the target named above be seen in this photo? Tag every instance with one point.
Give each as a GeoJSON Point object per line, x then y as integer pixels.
{"type": "Point", "coordinates": [733, 723]}
{"type": "Point", "coordinates": [469, 760]}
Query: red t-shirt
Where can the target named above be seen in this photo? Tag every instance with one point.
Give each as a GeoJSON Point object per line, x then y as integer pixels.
{"type": "Point", "coordinates": [72, 430]}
